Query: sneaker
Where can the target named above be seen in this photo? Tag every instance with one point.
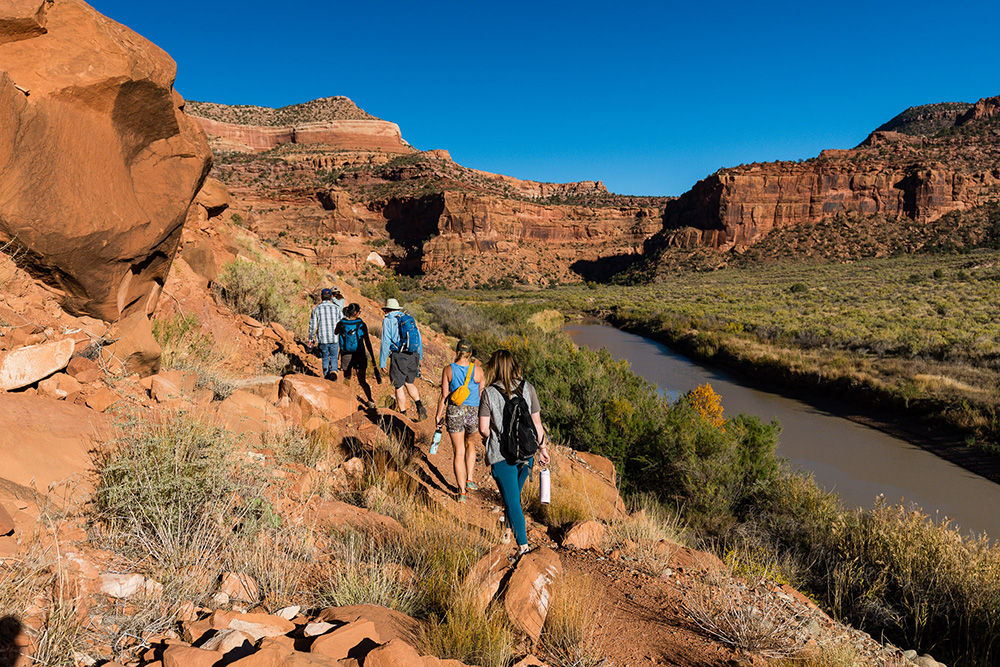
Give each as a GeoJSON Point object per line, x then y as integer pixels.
{"type": "Point", "coordinates": [462, 497]}
{"type": "Point", "coordinates": [421, 413]}
{"type": "Point", "coordinates": [371, 405]}
{"type": "Point", "coordinates": [471, 486]}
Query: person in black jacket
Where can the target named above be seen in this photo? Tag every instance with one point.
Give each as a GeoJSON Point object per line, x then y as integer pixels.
{"type": "Point", "coordinates": [353, 337]}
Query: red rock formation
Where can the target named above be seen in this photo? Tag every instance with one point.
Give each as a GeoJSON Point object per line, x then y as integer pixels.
{"type": "Point", "coordinates": [738, 208]}
{"type": "Point", "coordinates": [100, 161]}
{"type": "Point", "coordinates": [350, 135]}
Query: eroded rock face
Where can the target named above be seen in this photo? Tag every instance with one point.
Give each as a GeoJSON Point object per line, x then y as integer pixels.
{"type": "Point", "coordinates": [100, 163]}
{"type": "Point", "coordinates": [738, 208]}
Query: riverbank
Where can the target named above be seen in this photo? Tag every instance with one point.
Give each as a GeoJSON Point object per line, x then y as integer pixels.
{"type": "Point", "coordinates": [921, 422]}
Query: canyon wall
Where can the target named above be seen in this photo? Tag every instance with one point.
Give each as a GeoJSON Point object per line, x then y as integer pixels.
{"type": "Point", "coordinates": [733, 208]}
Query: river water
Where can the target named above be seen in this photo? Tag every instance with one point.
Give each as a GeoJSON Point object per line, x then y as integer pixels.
{"type": "Point", "coordinates": [857, 462]}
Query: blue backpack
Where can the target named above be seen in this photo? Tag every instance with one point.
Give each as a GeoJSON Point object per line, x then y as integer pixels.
{"type": "Point", "coordinates": [409, 335]}
{"type": "Point", "coordinates": [350, 335]}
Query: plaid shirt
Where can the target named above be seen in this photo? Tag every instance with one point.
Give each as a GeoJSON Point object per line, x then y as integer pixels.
{"type": "Point", "coordinates": [323, 321]}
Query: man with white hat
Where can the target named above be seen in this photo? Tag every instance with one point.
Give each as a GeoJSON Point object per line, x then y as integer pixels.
{"type": "Point", "coordinates": [403, 349]}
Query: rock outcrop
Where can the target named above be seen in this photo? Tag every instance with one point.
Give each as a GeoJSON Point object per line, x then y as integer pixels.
{"type": "Point", "coordinates": [333, 122]}
{"type": "Point", "coordinates": [920, 166]}
{"type": "Point", "coordinates": [738, 207]}
{"type": "Point", "coordinates": [100, 162]}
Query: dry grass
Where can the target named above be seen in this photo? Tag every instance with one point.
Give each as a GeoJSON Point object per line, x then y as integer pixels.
{"type": "Point", "coordinates": [38, 593]}
{"type": "Point", "coordinates": [366, 570]}
{"type": "Point", "coordinates": [471, 635]}
{"type": "Point", "coordinates": [646, 532]}
{"type": "Point", "coordinates": [572, 635]}
{"type": "Point", "coordinates": [745, 617]}
{"type": "Point", "coordinates": [573, 496]}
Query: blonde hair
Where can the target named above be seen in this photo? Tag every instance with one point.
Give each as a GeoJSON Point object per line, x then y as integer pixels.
{"type": "Point", "coordinates": [503, 369]}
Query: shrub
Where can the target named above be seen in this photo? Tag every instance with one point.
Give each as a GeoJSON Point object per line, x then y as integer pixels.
{"type": "Point", "coordinates": [798, 288]}
{"type": "Point", "coordinates": [174, 491]}
{"type": "Point", "coordinates": [265, 290]}
{"type": "Point", "coordinates": [183, 341]}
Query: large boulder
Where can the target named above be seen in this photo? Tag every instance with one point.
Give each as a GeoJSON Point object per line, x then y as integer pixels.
{"type": "Point", "coordinates": [26, 365]}
{"type": "Point", "coordinates": [44, 441]}
{"type": "Point", "coordinates": [530, 588]}
{"type": "Point", "coordinates": [318, 397]}
{"type": "Point", "coordinates": [100, 162]}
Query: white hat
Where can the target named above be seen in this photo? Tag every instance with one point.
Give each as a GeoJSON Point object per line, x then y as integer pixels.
{"type": "Point", "coordinates": [391, 304]}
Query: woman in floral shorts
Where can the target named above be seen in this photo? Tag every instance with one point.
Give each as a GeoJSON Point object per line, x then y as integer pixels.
{"type": "Point", "coordinates": [462, 418]}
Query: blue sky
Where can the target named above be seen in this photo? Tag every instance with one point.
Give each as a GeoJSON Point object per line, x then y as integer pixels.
{"type": "Point", "coordinates": [647, 96]}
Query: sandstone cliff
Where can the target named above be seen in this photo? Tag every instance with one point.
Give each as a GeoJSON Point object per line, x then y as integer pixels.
{"type": "Point", "coordinates": [922, 165]}
{"type": "Point", "coordinates": [100, 163]}
{"type": "Point", "coordinates": [333, 200]}
{"type": "Point", "coordinates": [334, 122]}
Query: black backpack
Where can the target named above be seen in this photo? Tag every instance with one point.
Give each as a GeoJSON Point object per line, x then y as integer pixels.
{"type": "Point", "coordinates": [518, 436]}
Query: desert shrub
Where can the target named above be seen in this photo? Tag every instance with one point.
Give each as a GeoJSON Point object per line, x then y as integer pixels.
{"type": "Point", "coordinates": [920, 583]}
{"type": "Point", "coordinates": [174, 489]}
{"type": "Point", "coordinates": [798, 288]}
{"type": "Point", "coordinates": [184, 343]}
{"type": "Point", "coordinates": [264, 289]}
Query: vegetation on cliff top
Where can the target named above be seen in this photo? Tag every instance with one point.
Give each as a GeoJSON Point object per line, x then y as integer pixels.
{"type": "Point", "coordinates": [323, 109]}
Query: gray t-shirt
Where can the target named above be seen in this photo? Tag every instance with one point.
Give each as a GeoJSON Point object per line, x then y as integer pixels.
{"type": "Point", "coordinates": [491, 406]}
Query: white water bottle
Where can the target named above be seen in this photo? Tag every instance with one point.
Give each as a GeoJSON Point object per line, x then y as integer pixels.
{"type": "Point", "coordinates": [544, 486]}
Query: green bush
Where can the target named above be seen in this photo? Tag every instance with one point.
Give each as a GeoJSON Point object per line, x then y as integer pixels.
{"type": "Point", "coordinates": [265, 290]}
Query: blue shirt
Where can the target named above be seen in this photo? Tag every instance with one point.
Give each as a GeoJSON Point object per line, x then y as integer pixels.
{"type": "Point", "coordinates": [390, 337]}
{"type": "Point", "coordinates": [323, 321]}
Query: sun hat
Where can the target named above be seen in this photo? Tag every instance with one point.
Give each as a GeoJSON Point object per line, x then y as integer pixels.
{"type": "Point", "coordinates": [391, 304]}
{"type": "Point", "coordinates": [336, 290]}
{"type": "Point", "coordinates": [325, 293]}
{"type": "Point", "coordinates": [464, 346]}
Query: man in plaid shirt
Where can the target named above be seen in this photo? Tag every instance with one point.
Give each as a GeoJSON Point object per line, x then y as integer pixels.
{"type": "Point", "coordinates": [322, 322]}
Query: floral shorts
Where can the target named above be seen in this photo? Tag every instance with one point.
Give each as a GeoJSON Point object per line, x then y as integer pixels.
{"type": "Point", "coordinates": [462, 418]}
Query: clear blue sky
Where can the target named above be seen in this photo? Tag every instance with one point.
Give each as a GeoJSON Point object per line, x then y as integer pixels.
{"type": "Point", "coordinates": [647, 96]}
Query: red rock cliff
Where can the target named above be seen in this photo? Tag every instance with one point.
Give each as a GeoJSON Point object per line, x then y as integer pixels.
{"type": "Point", "coordinates": [952, 163]}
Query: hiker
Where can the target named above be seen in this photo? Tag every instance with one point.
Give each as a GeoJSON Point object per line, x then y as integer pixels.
{"type": "Point", "coordinates": [402, 350]}
{"type": "Point", "coordinates": [322, 323]}
{"type": "Point", "coordinates": [353, 339]}
{"type": "Point", "coordinates": [338, 297]}
{"type": "Point", "coordinates": [464, 382]}
{"type": "Point", "coordinates": [501, 419]}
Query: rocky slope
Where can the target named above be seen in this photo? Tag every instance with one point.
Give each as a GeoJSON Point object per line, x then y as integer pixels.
{"type": "Point", "coordinates": [926, 162]}
{"type": "Point", "coordinates": [335, 199]}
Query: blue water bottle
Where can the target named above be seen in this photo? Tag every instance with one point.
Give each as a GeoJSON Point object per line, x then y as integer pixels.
{"type": "Point", "coordinates": [436, 442]}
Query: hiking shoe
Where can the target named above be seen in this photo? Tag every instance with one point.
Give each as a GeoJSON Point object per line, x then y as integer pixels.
{"type": "Point", "coordinates": [462, 497]}
{"type": "Point", "coordinates": [371, 405]}
{"type": "Point", "coordinates": [471, 486]}
{"type": "Point", "coordinates": [421, 413]}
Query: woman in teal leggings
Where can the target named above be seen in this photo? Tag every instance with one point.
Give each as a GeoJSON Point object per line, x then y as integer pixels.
{"type": "Point", "coordinates": [503, 378]}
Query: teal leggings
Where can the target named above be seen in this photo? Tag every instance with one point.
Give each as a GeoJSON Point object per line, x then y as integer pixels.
{"type": "Point", "coordinates": [510, 480]}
